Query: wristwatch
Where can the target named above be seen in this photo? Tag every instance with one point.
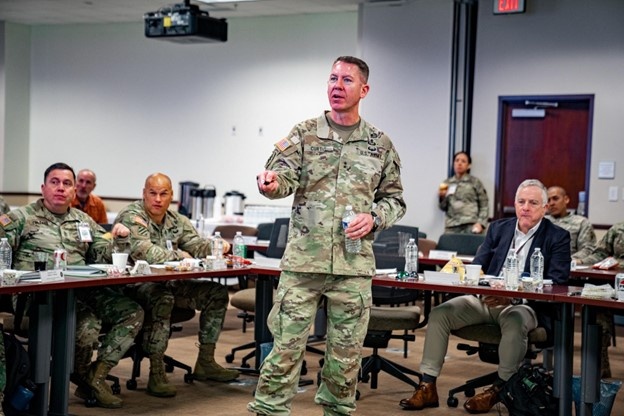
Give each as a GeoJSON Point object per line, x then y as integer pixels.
{"type": "Point", "coordinates": [376, 221]}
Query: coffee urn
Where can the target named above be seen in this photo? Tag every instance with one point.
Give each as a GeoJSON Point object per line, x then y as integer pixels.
{"type": "Point", "coordinates": [234, 203]}
{"type": "Point", "coordinates": [197, 202]}
{"type": "Point", "coordinates": [210, 193]}
{"type": "Point", "coordinates": [185, 206]}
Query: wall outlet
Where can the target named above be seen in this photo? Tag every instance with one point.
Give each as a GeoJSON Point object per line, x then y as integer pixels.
{"type": "Point", "coordinates": [613, 193]}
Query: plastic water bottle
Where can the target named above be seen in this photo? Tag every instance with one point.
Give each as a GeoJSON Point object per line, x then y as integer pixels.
{"type": "Point", "coordinates": [511, 271]}
{"type": "Point", "coordinates": [239, 251]}
{"type": "Point", "coordinates": [352, 246]}
{"type": "Point", "coordinates": [411, 258]}
{"type": "Point", "coordinates": [217, 251]}
{"type": "Point", "coordinates": [537, 268]}
{"type": "Point", "coordinates": [6, 254]}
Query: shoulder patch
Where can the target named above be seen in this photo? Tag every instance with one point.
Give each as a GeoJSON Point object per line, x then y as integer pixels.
{"type": "Point", "coordinates": [5, 220]}
{"type": "Point", "coordinates": [140, 221]}
{"type": "Point", "coordinates": [283, 144]}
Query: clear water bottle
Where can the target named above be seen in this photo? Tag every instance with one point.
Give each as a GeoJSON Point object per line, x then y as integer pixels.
{"type": "Point", "coordinates": [239, 251]}
{"type": "Point", "coordinates": [217, 251]}
{"type": "Point", "coordinates": [537, 268]}
{"type": "Point", "coordinates": [411, 258]}
{"type": "Point", "coordinates": [352, 246]}
{"type": "Point", "coordinates": [511, 271]}
{"type": "Point", "coordinates": [6, 254]}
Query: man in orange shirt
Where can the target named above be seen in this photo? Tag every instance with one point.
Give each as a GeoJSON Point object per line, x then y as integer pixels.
{"type": "Point", "coordinates": [85, 200]}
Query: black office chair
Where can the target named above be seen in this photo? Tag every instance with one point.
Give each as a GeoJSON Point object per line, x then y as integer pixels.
{"type": "Point", "coordinates": [136, 352]}
{"type": "Point", "coordinates": [461, 243]}
{"type": "Point", "coordinates": [245, 299]}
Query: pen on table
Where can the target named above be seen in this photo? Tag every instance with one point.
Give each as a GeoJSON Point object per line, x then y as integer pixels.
{"type": "Point", "coordinates": [577, 293]}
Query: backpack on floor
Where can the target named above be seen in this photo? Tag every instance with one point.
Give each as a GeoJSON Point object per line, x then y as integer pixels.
{"type": "Point", "coordinates": [529, 392]}
{"type": "Point", "coordinates": [17, 364]}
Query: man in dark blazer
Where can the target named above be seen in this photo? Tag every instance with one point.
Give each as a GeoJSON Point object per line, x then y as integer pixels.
{"type": "Point", "coordinates": [529, 230]}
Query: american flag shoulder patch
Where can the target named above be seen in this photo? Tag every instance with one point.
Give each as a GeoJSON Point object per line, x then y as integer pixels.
{"type": "Point", "coordinates": [140, 221]}
{"type": "Point", "coordinates": [5, 220]}
{"type": "Point", "coordinates": [283, 144]}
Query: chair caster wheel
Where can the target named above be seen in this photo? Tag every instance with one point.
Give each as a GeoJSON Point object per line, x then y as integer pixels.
{"type": "Point", "coordinates": [168, 368]}
{"type": "Point", "coordinates": [469, 392]}
{"type": "Point", "coordinates": [229, 358]}
{"type": "Point", "coordinates": [116, 389]}
{"type": "Point", "coordinates": [245, 365]}
{"type": "Point", "coordinates": [188, 378]}
{"type": "Point", "coordinates": [452, 402]}
{"type": "Point", "coordinates": [131, 384]}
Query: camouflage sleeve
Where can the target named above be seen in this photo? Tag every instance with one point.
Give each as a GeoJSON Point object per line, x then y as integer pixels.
{"type": "Point", "coordinates": [141, 245]}
{"type": "Point", "coordinates": [4, 207]}
{"type": "Point", "coordinates": [389, 195]}
{"type": "Point", "coordinates": [443, 202]}
{"type": "Point", "coordinates": [482, 200]}
{"type": "Point", "coordinates": [102, 246]}
{"type": "Point", "coordinates": [286, 162]}
{"type": "Point", "coordinates": [586, 241]}
{"type": "Point", "coordinates": [11, 226]}
{"type": "Point", "coordinates": [191, 242]}
{"type": "Point", "coordinates": [605, 248]}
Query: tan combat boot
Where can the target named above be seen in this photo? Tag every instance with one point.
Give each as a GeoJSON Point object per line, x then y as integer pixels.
{"type": "Point", "coordinates": [158, 385]}
{"type": "Point", "coordinates": [96, 379]}
{"type": "Point", "coordinates": [82, 363]}
{"type": "Point", "coordinates": [206, 368]}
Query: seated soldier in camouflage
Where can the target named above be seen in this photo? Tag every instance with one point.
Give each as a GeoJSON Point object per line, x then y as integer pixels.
{"type": "Point", "coordinates": [50, 223]}
{"type": "Point", "coordinates": [158, 235]}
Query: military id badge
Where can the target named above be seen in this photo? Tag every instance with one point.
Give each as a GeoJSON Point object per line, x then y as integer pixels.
{"type": "Point", "coordinates": [84, 231]}
{"type": "Point", "coordinates": [451, 189]}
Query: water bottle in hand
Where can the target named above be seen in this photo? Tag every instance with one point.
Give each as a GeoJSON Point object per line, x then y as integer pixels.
{"type": "Point", "coordinates": [352, 246]}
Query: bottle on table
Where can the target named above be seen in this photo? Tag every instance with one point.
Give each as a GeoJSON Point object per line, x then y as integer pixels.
{"type": "Point", "coordinates": [411, 258]}
{"type": "Point", "coordinates": [537, 268]}
{"type": "Point", "coordinates": [217, 251]}
{"type": "Point", "coordinates": [239, 251]}
{"type": "Point", "coordinates": [352, 246]}
{"type": "Point", "coordinates": [511, 271]}
{"type": "Point", "coordinates": [6, 254]}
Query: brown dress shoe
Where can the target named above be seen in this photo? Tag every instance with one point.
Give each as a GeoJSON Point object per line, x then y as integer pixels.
{"type": "Point", "coordinates": [425, 395]}
{"type": "Point", "coordinates": [483, 402]}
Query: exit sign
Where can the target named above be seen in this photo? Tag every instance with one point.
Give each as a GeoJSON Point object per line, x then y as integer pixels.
{"type": "Point", "coordinates": [508, 6]}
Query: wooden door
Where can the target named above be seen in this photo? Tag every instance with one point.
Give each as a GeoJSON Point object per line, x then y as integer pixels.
{"type": "Point", "coordinates": [546, 138]}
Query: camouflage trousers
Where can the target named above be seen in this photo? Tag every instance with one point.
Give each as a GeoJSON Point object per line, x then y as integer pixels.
{"type": "Point", "coordinates": [159, 298]}
{"type": "Point", "coordinates": [109, 307]}
{"type": "Point", "coordinates": [296, 302]}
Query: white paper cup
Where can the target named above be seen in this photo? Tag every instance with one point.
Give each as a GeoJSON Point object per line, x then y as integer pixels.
{"type": "Point", "coordinates": [473, 273]}
{"type": "Point", "coordinates": [120, 260]}
{"type": "Point", "coordinates": [9, 277]}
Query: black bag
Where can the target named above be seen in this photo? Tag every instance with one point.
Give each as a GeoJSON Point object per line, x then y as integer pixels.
{"type": "Point", "coordinates": [529, 393]}
{"type": "Point", "coordinates": [17, 370]}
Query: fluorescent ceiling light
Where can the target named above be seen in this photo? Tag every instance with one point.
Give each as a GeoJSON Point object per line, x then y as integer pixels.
{"type": "Point", "coordinates": [224, 1]}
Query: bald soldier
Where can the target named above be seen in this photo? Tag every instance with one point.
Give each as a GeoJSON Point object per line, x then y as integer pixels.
{"type": "Point", "coordinates": [158, 235]}
{"type": "Point", "coordinates": [85, 200]}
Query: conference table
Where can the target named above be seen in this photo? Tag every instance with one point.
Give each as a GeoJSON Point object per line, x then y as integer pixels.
{"type": "Point", "coordinates": [52, 316]}
{"type": "Point", "coordinates": [566, 297]}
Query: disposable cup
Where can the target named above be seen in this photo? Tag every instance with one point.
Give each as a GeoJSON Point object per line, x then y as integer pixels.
{"type": "Point", "coordinates": [120, 260]}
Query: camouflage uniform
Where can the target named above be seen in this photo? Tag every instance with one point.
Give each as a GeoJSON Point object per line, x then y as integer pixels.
{"type": "Point", "coordinates": [326, 173]}
{"type": "Point", "coordinates": [582, 235]}
{"type": "Point", "coordinates": [2, 372]}
{"type": "Point", "coordinates": [33, 228]}
{"type": "Point", "coordinates": [611, 244]}
{"type": "Point", "coordinates": [148, 241]}
{"type": "Point", "coordinates": [4, 207]}
{"type": "Point", "coordinates": [467, 206]}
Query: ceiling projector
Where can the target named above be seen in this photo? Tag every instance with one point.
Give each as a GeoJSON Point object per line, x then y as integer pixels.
{"type": "Point", "coordinates": [184, 23]}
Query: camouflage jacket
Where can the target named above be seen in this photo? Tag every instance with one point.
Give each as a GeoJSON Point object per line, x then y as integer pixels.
{"type": "Point", "coordinates": [468, 204]}
{"type": "Point", "coordinates": [4, 207]}
{"type": "Point", "coordinates": [612, 244]}
{"type": "Point", "coordinates": [33, 228]}
{"type": "Point", "coordinates": [148, 240]}
{"type": "Point", "coordinates": [582, 235]}
{"type": "Point", "coordinates": [326, 174]}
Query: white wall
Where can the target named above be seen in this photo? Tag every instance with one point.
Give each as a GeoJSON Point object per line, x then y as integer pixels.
{"type": "Point", "coordinates": [105, 97]}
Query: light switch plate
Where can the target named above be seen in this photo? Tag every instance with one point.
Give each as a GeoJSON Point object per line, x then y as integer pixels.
{"type": "Point", "coordinates": [613, 193]}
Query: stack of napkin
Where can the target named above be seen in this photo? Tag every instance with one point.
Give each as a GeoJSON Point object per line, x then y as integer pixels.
{"type": "Point", "coordinates": [598, 292]}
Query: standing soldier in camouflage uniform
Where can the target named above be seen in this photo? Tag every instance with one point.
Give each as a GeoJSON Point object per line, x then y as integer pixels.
{"type": "Point", "coordinates": [50, 223]}
{"type": "Point", "coordinates": [464, 200]}
{"type": "Point", "coordinates": [4, 207]}
{"type": "Point", "coordinates": [611, 245]}
{"type": "Point", "coordinates": [328, 162]}
{"type": "Point", "coordinates": [158, 235]}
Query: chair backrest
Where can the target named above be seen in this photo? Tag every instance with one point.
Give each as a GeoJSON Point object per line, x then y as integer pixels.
{"type": "Point", "coordinates": [461, 243]}
{"type": "Point", "coordinates": [425, 245]}
{"type": "Point", "coordinates": [388, 246]}
{"type": "Point", "coordinates": [279, 238]}
{"type": "Point", "coordinates": [228, 231]}
{"type": "Point", "coordinates": [264, 230]}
